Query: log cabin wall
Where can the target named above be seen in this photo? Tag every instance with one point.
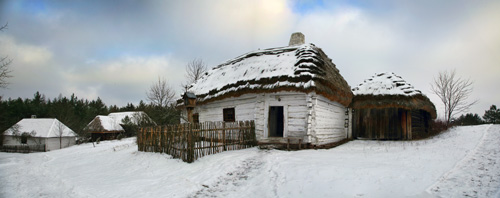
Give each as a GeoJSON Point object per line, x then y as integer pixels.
{"type": "Point", "coordinates": [329, 119]}
{"type": "Point", "coordinates": [382, 124]}
{"type": "Point", "coordinates": [310, 117]}
{"type": "Point", "coordinates": [420, 121]}
{"type": "Point", "coordinates": [256, 107]}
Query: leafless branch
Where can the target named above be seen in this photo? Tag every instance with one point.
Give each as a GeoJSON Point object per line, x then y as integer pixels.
{"type": "Point", "coordinates": [4, 71]}
{"type": "Point", "coordinates": [194, 71]}
{"type": "Point", "coordinates": [4, 27]}
{"type": "Point", "coordinates": [453, 92]}
{"type": "Point", "coordinates": [60, 133]}
{"type": "Point", "coordinates": [161, 93]}
{"type": "Point", "coordinates": [4, 66]}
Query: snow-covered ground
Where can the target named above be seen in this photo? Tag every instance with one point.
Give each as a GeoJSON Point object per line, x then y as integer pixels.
{"type": "Point", "coordinates": [462, 162]}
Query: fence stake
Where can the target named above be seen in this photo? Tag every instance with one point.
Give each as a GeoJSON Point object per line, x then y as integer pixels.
{"type": "Point", "coordinates": [224, 135]}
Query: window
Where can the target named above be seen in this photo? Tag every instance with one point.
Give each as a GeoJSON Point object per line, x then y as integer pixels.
{"type": "Point", "coordinates": [196, 118]}
{"type": "Point", "coordinates": [228, 114]}
{"type": "Point", "coordinates": [24, 138]}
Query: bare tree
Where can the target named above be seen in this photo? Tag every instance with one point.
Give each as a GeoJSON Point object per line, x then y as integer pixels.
{"type": "Point", "coordinates": [60, 133]}
{"type": "Point", "coordinates": [453, 92]}
{"type": "Point", "coordinates": [161, 93]}
{"type": "Point", "coordinates": [4, 66]}
{"type": "Point", "coordinates": [194, 71]}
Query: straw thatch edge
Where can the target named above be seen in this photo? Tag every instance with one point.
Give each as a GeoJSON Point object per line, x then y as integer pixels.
{"type": "Point", "coordinates": [394, 101]}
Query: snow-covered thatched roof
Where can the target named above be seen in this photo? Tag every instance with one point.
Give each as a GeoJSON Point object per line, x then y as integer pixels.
{"type": "Point", "coordinates": [134, 116]}
{"type": "Point", "coordinates": [43, 127]}
{"type": "Point", "coordinates": [385, 90]}
{"type": "Point", "coordinates": [302, 68]}
{"type": "Point", "coordinates": [386, 83]}
{"type": "Point", "coordinates": [104, 124]}
{"type": "Point", "coordinates": [113, 121]}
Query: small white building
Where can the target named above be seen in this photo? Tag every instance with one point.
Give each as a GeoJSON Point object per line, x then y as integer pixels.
{"type": "Point", "coordinates": [292, 93]}
{"type": "Point", "coordinates": [49, 131]}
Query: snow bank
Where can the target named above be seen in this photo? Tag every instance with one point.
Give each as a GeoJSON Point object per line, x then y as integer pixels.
{"type": "Point", "coordinates": [356, 169]}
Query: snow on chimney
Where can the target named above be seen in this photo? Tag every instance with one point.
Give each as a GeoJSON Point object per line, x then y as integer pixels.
{"type": "Point", "coordinates": [297, 38]}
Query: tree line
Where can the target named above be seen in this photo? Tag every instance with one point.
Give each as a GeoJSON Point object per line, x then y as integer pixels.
{"type": "Point", "coordinates": [491, 116]}
{"type": "Point", "coordinates": [75, 112]}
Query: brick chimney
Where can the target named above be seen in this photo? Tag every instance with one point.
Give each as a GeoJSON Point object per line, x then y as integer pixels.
{"type": "Point", "coordinates": [297, 38]}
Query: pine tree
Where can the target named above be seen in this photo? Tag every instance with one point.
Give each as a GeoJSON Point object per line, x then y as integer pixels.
{"type": "Point", "coordinates": [492, 116]}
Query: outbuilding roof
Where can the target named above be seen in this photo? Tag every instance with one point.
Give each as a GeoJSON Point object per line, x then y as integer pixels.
{"type": "Point", "coordinates": [386, 90]}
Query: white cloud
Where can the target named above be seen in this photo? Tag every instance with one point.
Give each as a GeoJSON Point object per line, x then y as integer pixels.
{"type": "Point", "coordinates": [24, 54]}
{"type": "Point", "coordinates": [32, 67]}
{"type": "Point", "coordinates": [128, 76]}
{"type": "Point", "coordinates": [357, 43]}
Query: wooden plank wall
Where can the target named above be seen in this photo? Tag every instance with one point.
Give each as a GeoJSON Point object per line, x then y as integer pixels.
{"type": "Point", "coordinates": [420, 122]}
{"type": "Point", "coordinates": [382, 124]}
{"type": "Point", "coordinates": [329, 121]}
{"type": "Point", "coordinates": [310, 117]}
{"type": "Point", "coordinates": [256, 107]}
{"type": "Point", "coordinates": [192, 141]}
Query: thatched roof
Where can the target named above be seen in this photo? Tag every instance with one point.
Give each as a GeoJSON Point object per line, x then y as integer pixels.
{"type": "Point", "coordinates": [301, 68]}
{"type": "Point", "coordinates": [388, 90]}
{"type": "Point", "coordinates": [104, 124]}
{"type": "Point", "coordinates": [136, 117]}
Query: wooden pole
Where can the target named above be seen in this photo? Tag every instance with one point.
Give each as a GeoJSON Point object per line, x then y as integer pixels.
{"type": "Point", "coordinates": [224, 135]}
{"type": "Point", "coordinates": [190, 157]}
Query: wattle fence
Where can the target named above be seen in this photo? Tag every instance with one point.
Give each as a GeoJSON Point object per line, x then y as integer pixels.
{"type": "Point", "coordinates": [192, 141]}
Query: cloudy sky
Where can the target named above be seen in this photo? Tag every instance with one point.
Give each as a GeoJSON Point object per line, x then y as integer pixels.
{"type": "Point", "coordinates": [115, 50]}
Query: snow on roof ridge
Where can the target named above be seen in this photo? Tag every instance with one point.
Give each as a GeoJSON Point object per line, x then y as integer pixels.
{"type": "Point", "coordinates": [385, 83]}
{"type": "Point", "coordinates": [267, 50]}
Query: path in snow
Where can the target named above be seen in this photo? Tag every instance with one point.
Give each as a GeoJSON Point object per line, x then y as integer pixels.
{"type": "Point", "coordinates": [478, 174]}
{"type": "Point", "coordinates": [234, 179]}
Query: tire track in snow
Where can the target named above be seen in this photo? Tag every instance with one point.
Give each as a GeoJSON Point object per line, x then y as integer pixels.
{"type": "Point", "coordinates": [232, 180]}
{"type": "Point", "coordinates": [478, 174]}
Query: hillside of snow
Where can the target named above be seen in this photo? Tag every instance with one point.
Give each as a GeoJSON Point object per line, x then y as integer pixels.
{"type": "Point", "coordinates": [462, 162]}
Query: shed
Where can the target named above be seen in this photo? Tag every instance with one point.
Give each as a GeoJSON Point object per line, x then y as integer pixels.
{"type": "Point", "coordinates": [108, 127]}
{"type": "Point", "coordinates": [49, 131]}
{"type": "Point", "coordinates": [293, 92]}
{"type": "Point", "coordinates": [104, 127]}
{"type": "Point", "coordinates": [386, 107]}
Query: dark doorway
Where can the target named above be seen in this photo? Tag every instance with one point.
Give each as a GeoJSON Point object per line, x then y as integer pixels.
{"type": "Point", "coordinates": [276, 121]}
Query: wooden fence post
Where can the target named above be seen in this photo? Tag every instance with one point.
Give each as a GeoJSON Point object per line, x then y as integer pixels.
{"type": "Point", "coordinates": [224, 135]}
{"type": "Point", "coordinates": [190, 144]}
